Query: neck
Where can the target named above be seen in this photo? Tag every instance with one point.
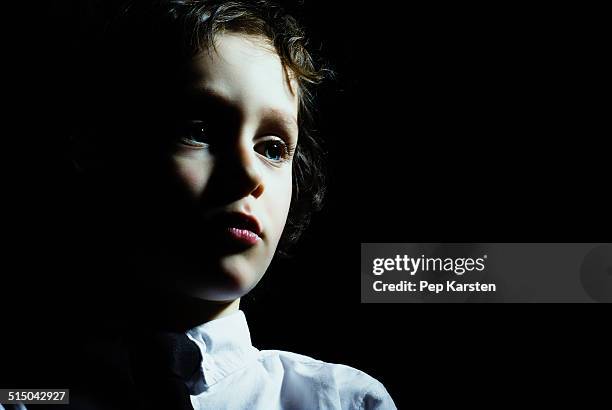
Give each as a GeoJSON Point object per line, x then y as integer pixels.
{"type": "Point", "coordinates": [178, 313]}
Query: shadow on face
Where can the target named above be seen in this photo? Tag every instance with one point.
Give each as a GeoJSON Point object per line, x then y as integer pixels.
{"type": "Point", "coordinates": [192, 194]}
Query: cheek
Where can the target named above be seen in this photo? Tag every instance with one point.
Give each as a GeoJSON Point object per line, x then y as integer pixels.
{"type": "Point", "coordinates": [193, 171]}
{"type": "Point", "coordinates": [278, 204]}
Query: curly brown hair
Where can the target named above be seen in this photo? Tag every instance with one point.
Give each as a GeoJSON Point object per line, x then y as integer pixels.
{"type": "Point", "coordinates": [164, 33]}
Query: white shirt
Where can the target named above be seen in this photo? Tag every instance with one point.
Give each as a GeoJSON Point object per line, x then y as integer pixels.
{"type": "Point", "coordinates": [234, 375]}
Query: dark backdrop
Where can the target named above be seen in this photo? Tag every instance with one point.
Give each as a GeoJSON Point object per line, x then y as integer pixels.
{"type": "Point", "coordinates": [446, 123]}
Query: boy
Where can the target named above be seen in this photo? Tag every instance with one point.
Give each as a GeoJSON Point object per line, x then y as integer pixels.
{"type": "Point", "coordinates": [195, 149]}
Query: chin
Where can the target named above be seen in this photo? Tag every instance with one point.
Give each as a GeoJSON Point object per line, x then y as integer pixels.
{"type": "Point", "coordinates": [233, 277]}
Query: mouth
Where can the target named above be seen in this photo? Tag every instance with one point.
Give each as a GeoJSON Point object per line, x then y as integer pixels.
{"type": "Point", "coordinates": [239, 228]}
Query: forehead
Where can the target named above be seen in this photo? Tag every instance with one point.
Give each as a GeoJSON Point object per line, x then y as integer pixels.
{"type": "Point", "coordinates": [246, 71]}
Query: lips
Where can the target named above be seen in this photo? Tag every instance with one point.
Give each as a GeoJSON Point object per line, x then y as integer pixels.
{"type": "Point", "coordinates": [241, 221]}
{"type": "Point", "coordinates": [239, 228]}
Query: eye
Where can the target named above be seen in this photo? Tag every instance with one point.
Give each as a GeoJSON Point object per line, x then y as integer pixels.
{"type": "Point", "coordinates": [273, 149]}
{"type": "Point", "coordinates": [194, 133]}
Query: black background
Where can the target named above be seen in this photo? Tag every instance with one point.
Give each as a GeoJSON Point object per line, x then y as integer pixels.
{"type": "Point", "coordinates": [466, 123]}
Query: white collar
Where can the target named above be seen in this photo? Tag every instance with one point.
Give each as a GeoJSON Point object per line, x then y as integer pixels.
{"type": "Point", "coordinates": [225, 344]}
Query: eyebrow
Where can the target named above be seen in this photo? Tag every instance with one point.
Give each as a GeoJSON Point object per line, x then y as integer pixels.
{"type": "Point", "coordinates": [287, 120]}
{"type": "Point", "coordinates": [207, 96]}
{"type": "Point", "coordinates": [270, 115]}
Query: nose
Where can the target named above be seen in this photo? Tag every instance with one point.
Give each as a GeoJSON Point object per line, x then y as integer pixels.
{"type": "Point", "coordinates": [239, 171]}
{"type": "Point", "coordinates": [248, 175]}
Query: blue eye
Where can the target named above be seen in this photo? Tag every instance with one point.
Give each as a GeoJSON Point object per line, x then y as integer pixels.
{"type": "Point", "coordinates": [275, 150]}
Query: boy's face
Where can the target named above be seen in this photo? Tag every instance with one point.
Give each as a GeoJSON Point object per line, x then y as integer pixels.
{"type": "Point", "coordinates": [233, 154]}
